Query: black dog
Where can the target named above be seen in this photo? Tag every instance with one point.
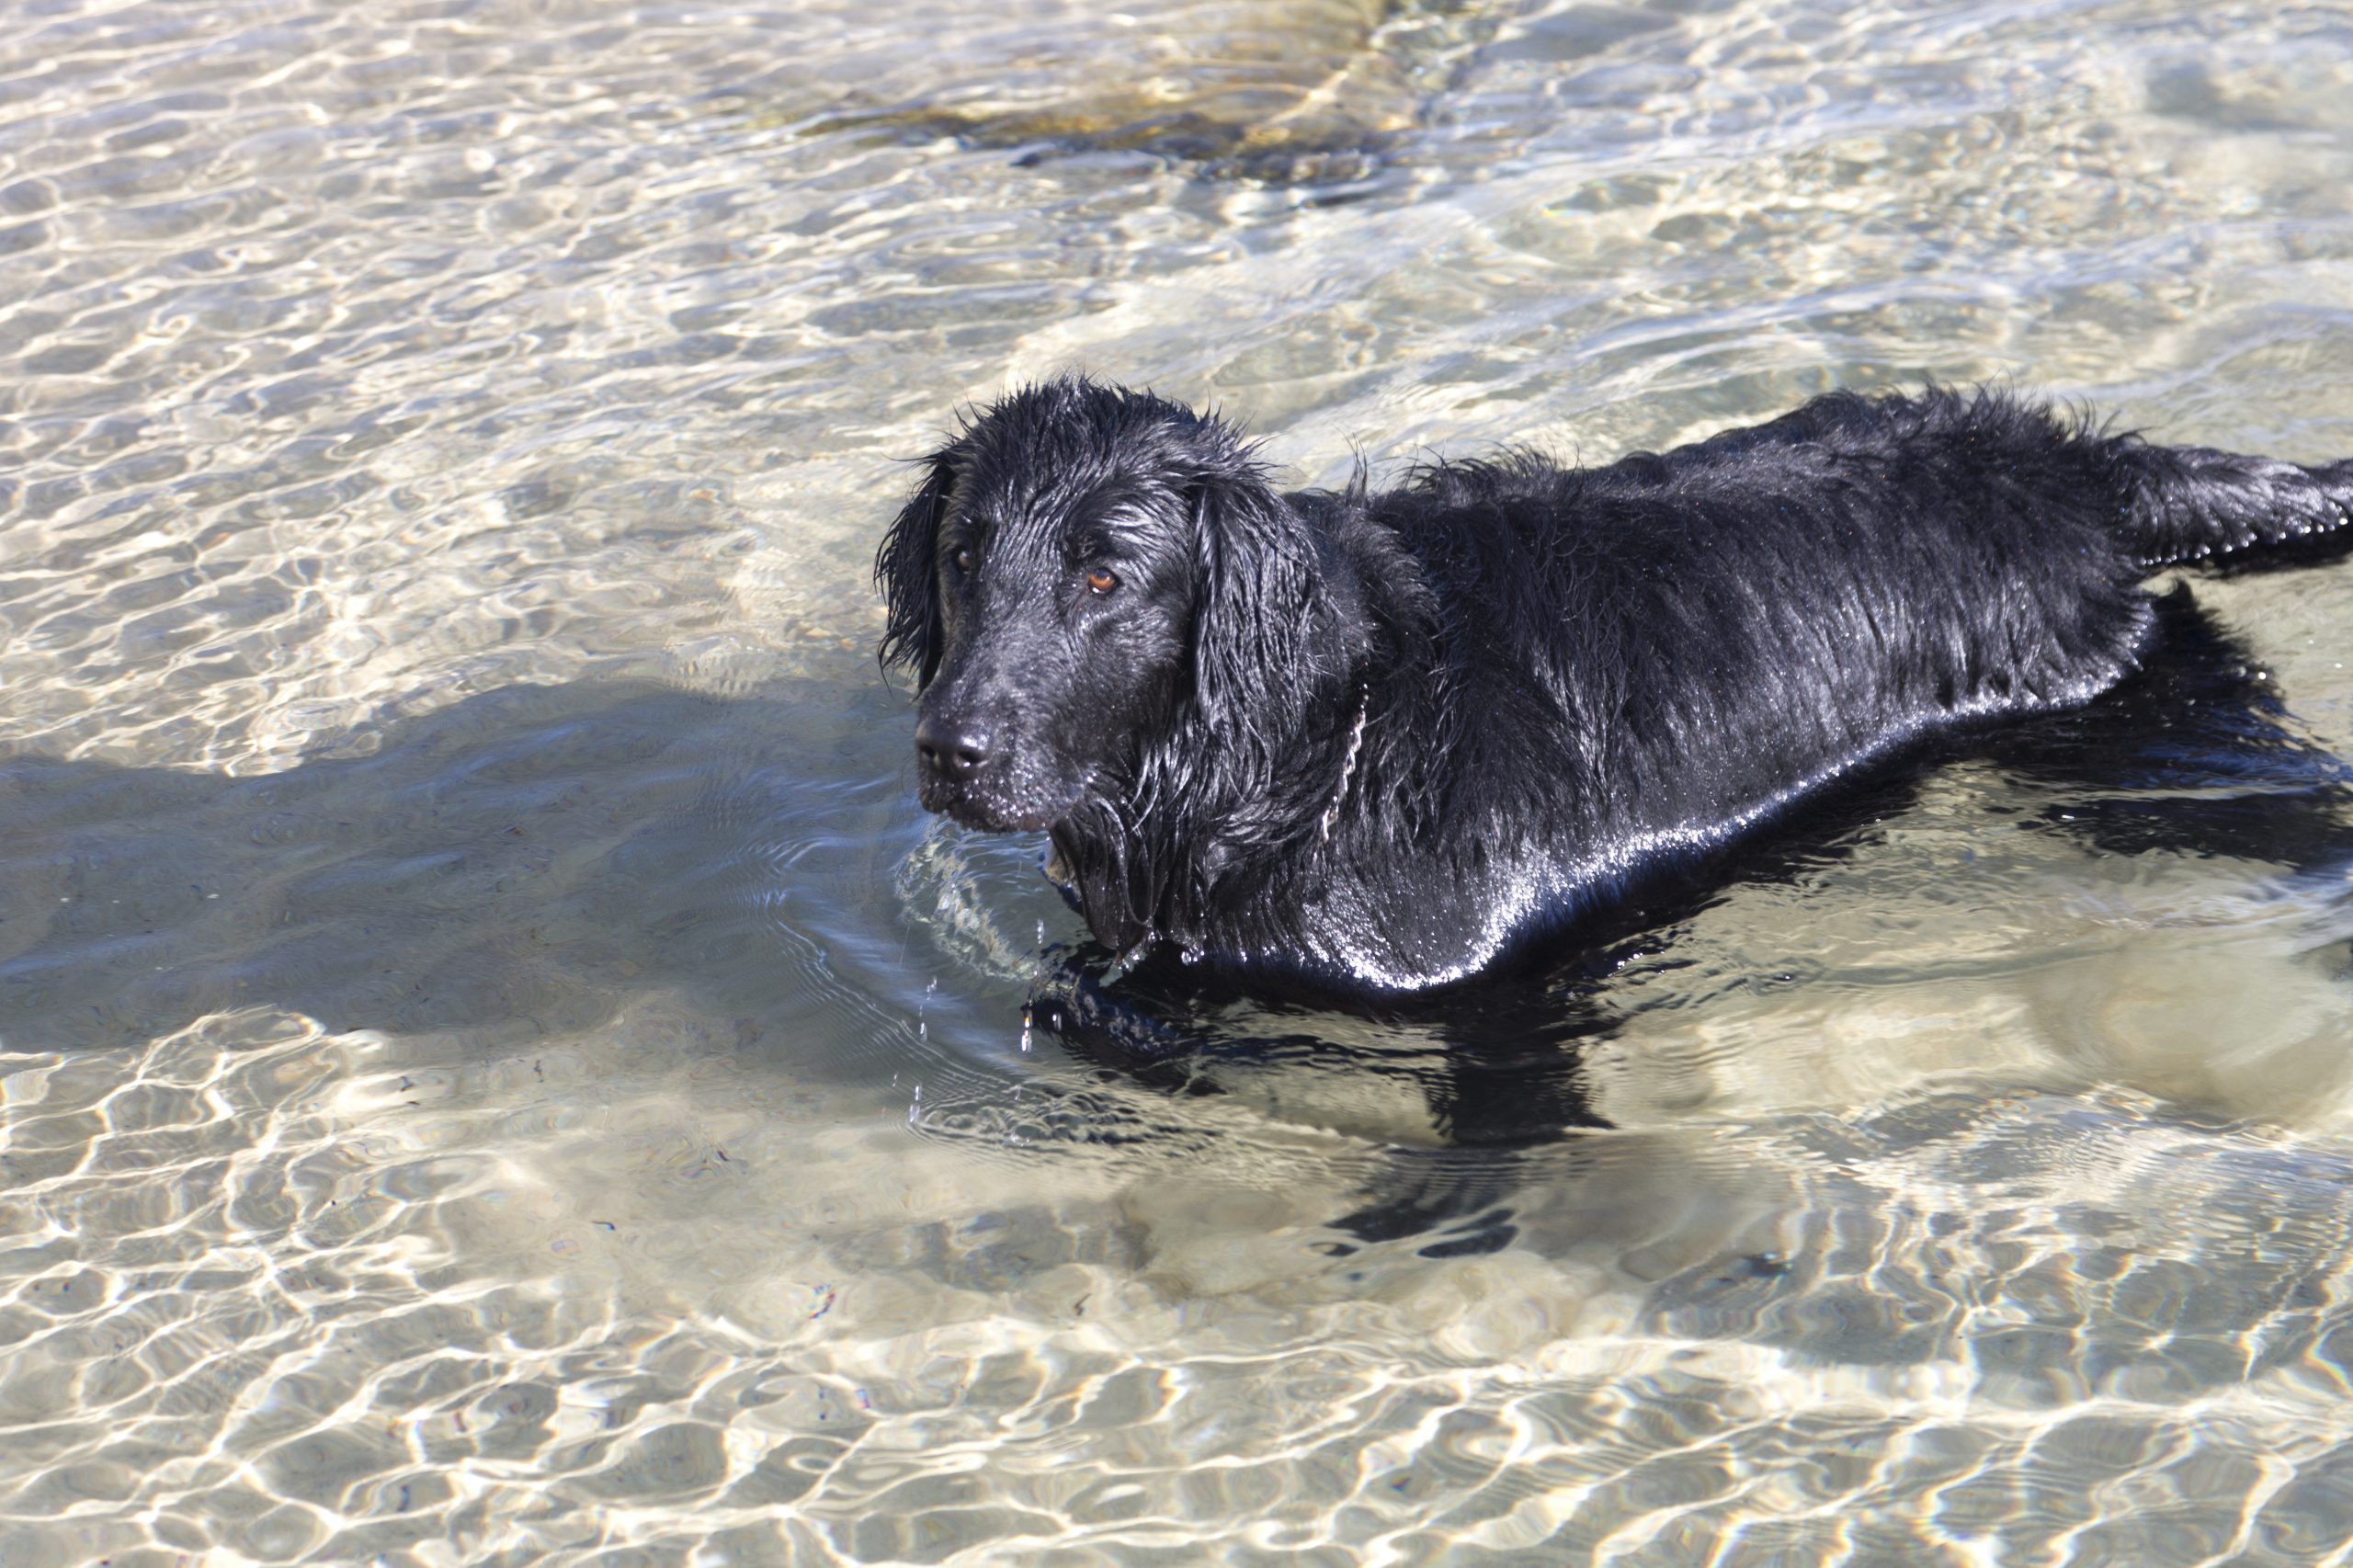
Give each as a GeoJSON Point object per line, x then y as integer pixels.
{"type": "Point", "coordinates": [1379, 741]}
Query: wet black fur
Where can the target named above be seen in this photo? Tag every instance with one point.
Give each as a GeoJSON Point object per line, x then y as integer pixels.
{"type": "Point", "coordinates": [1574, 684]}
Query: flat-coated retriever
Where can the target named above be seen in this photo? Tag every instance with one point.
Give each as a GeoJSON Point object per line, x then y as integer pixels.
{"type": "Point", "coordinates": [1378, 742]}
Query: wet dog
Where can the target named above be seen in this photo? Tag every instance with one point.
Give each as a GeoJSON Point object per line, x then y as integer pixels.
{"type": "Point", "coordinates": [1382, 742]}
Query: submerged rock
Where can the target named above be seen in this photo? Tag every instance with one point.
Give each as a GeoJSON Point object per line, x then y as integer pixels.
{"type": "Point", "coordinates": [1280, 91]}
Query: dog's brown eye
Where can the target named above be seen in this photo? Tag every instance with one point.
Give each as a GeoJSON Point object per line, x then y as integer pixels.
{"type": "Point", "coordinates": [1102, 580]}
{"type": "Point", "coordinates": [963, 558]}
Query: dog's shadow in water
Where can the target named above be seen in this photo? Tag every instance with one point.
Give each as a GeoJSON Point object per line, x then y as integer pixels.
{"type": "Point", "coordinates": [522, 864]}
{"type": "Point", "coordinates": [2194, 758]}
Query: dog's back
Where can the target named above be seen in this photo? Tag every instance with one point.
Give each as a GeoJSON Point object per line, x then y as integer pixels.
{"type": "Point", "coordinates": [1643, 661]}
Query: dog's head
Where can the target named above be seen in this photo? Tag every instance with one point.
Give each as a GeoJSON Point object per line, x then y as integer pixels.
{"type": "Point", "coordinates": [1081, 573]}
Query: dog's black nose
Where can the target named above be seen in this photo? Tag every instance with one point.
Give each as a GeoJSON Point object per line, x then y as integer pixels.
{"type": "Point", "coordinates": [956, 750]}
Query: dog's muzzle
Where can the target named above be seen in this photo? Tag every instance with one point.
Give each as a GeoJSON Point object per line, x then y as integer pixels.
{"type": "Point", "coordinates": [964, 774]}
{"type": "Point", "coordinates": [955, 751]}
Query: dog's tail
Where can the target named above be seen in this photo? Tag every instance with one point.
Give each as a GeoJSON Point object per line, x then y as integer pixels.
{"type": "Point", "coordinates": [2186, 504]}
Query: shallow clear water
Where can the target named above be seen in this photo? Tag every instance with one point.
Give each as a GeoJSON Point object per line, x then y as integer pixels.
{"type": "Point", "coordinates": [497, 1070]}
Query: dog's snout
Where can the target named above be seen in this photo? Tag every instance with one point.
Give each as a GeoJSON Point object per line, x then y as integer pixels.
{"type": "Point", "coordinates": [956, 750]}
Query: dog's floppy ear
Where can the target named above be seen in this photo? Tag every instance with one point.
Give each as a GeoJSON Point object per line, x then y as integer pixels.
{"type": "Point", "coordinates": [904, 570]}
{"type": "Point", "coordinates": [1253, 614]}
